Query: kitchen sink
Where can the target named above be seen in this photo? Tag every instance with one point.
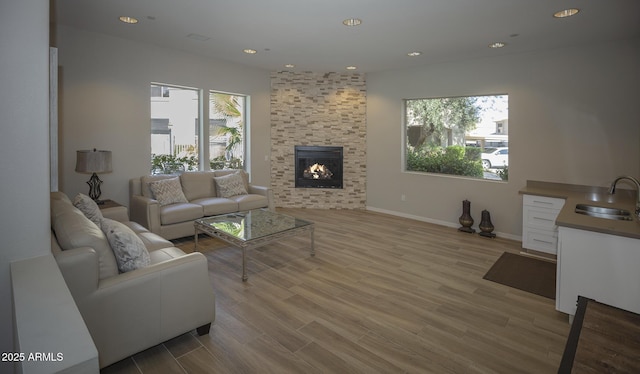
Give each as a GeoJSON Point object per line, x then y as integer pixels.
{"type": "Point", "coordinates": [603, 212]}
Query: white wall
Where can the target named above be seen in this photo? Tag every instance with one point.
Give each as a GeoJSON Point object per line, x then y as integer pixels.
{"type": "Point", "coordinates": [24, 145]}
{"type": "Point", "coordinates": [105, 104]}
{"type": "Point", "coordinates": [573, 118]}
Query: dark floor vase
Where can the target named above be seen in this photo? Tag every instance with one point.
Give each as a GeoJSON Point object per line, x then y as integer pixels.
{"type": "Point", "coordinates": [486, 227]}
{"type": "Point", "coordinates": [465, 219]}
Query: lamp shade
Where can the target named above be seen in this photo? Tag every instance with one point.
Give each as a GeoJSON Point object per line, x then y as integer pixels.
{"type": "Point", "coordinates": [93, 161]}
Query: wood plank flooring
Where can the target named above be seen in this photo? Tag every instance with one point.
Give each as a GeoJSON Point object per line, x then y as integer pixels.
{"type": "Point", "coordinates": [383, 294]}
{"type": "Point", "coordinates": [603, 339]}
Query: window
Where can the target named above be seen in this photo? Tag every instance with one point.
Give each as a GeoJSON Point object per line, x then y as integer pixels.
{"type": "Point", "coordinates": [174, 138]}
{"type": "Point", "coordinates": [226, 130]}
{"type": "Point", "coordinates": [466, 136]}
{"type": "Point", "coordinates": [159, 91]}
{"type": "Point", "coordinates": [175, 129]}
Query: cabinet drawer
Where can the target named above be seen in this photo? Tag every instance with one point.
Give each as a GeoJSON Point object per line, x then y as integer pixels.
{"type": "Point", "coordinates": [539, 218]}
{"type": "Point", "coordinates": [540, 240]}
{"type": "Point", "coordinates": [543, 202]}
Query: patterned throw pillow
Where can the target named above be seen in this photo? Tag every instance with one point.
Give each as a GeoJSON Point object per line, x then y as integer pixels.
{"type": "Point", "coordinates": [168, 191]}
{"type": "Point", "coordinates": [128, 248]}
{"type": "Point", "coordinates": [230, 185]}
{"type": "Point", "coordinates": [88, 207]}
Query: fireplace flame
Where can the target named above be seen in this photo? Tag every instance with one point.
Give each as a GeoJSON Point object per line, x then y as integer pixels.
{"type": "Point", "coordinates": [317, 171]}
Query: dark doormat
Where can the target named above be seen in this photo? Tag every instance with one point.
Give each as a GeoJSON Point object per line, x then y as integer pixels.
{"type": "Point", "coordinates": [525, 273]}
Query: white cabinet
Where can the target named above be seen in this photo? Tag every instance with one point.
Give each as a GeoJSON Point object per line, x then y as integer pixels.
{"type": "Point", "coordinates": [598, 266]}
{"type": "Point", "coordinates": [539, 230]}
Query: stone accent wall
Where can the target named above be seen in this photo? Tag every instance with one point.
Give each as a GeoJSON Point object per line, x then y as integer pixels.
{"type": "Point", "coordinates": [327, 109]}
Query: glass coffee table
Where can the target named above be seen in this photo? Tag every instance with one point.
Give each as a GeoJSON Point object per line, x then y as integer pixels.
{"type": "Point", "coordinates": [252, 229]}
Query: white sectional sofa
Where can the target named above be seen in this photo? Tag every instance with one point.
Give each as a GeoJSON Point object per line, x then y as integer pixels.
{"type": "Point", "coordinates": [204, 196]}
{"type": "Point", "coordinates": [128, 312]}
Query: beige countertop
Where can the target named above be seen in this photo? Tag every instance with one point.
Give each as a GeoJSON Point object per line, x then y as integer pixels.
{"type": "Point", "coordinates": [576, 194]}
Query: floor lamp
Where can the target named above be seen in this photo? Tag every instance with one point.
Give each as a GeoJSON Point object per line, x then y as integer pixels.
{"type": "Point", "coordinates": [93, 161]}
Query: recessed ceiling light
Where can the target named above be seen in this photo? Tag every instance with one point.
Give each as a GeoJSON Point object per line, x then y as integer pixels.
{"type": "Point", "coordinates": [414, 53]}
{"type": "Point", "coordinates": [250, 51]}
{"type": "Point", "coordinates": [127, 19]}
{"type": "Point", "coordinates": [351, 68]}
{"type": "Point", "coordinates": [566, 13]}
{"type": "Point", "coordinates": [497, 45]}
{"type": "Point", "coordinates": [352, 22]}
{"type": "Point", "coordinates": [289, 66]}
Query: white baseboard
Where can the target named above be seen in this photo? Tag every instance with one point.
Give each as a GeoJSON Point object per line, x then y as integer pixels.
{"type": "Point", "coordinates": [437, 222]}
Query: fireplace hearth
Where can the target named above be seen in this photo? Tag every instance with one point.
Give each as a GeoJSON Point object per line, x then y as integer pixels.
{"type": "Point", "coordinates": [318, 167]}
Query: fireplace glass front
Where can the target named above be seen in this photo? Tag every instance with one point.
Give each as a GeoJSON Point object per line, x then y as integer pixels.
{"type": "Point", "coordinates": [318, 167]}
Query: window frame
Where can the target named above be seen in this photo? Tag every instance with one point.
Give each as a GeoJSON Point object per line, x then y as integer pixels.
{"type": "Point", "coordinates": [414, 139]}
{"type": "Point", "coordinates": [244, 114]}
{"type": "Point", "coordinates": [202, 133]}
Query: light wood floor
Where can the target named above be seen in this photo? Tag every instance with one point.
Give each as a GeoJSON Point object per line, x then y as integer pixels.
{"type": "Point", "coordinates": [382, 295]}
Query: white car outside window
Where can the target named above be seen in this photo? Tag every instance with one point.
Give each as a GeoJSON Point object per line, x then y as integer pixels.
{"type": "Point", "coordinates": [495, 158]}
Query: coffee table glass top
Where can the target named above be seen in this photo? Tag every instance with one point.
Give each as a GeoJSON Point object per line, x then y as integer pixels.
{"type": "Point", "coordinates": [253, 224]}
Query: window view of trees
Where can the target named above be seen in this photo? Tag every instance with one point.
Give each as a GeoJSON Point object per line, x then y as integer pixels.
{"type": "Point", "coordinates": [175, 129]}
{"type": "Point", "coordinates": [466, 136]}
{"type": "Point", "coordinates": [226, 141]}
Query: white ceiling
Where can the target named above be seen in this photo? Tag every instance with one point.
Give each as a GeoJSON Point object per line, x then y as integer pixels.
{"type": "Point", "coordinates": [310, 33]}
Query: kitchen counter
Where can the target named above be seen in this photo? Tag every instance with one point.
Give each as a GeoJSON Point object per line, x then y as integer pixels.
{"type": "Point", "coordinates": [577, 194]}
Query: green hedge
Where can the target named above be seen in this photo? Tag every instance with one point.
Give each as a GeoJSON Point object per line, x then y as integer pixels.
{"type": "Point", "coordinates": [454, 160]}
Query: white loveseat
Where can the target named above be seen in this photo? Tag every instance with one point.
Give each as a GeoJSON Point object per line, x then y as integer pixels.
{"type": "Point", "coordinates": [129, 312]}
{"type": "Point", "coordinates": [203, 197]}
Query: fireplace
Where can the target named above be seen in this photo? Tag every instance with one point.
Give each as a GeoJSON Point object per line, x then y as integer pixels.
{"type": "Point", "coordinates": [318, 167]}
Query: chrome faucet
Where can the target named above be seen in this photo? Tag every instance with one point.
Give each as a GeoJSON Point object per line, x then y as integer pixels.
{"type": "Point", "coordinates": [612, 190]}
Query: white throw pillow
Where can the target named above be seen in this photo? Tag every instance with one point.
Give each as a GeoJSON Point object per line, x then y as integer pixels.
{"type": "Point", "coordinates": [230, 185]}
{"type": "Point", "coordinates": [128, 248]}
{"type": "Point", "coordinates": [88, 207]}
{"type": "Point", "coordinates": [168, 191]}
